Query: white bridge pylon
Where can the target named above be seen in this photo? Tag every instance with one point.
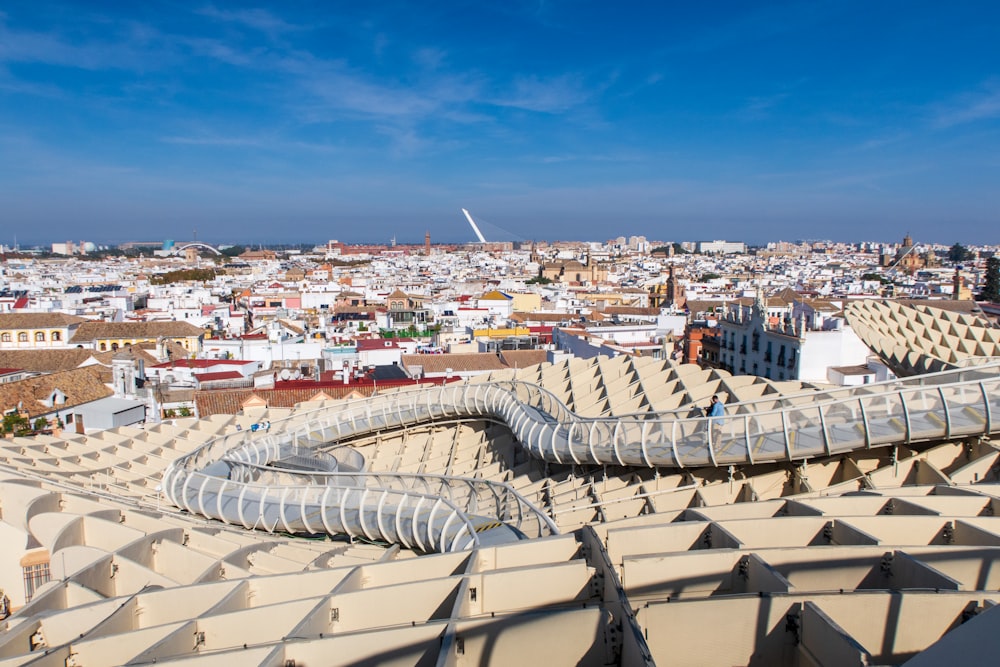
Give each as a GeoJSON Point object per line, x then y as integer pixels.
{"type": "Point", "coordinates": [475, 227]}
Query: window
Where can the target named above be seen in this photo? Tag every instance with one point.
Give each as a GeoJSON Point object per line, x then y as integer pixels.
{"type": "Point", "coordinates": [114, 346]}
{"type": "Point", "coordinates": [55, 335]}
{"type": "Point", "coordinates": [34, 577]}
{"type": "Point", "coordinates": [22, 337]}
{"type": "Point", "coordinates": [40, 337]}
{"type": "Point", "coordinates": [5, 338]}
{"type": "Point", "coordinates": [104, 347]}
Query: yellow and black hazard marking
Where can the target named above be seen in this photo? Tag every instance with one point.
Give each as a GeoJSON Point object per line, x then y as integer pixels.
{"type": "Point", "coordinates": [488, 526]}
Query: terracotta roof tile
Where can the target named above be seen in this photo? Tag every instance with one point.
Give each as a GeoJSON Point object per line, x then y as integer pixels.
{"type": "Point", "coordinates": [523, 358]}
{"type": "Point", "coordinates": [38, 320]}
{"type": "Point", "coordinates": [463, 362]}
{"type": "Point", "coordinates": [91, 331]}
{"type": "Point", "coordinates": [81, 385]}
{"type": "Point", "coordinates": [45, 361]}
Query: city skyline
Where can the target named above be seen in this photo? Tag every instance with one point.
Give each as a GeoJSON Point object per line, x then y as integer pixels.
{"type": "Point", "coordinates": [546, 120]}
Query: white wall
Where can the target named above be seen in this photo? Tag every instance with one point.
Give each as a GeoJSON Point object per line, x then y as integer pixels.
{"type": "Point", "coordinates": [823, 349]}
{"type": "Point", "coordinates": [13, 541]}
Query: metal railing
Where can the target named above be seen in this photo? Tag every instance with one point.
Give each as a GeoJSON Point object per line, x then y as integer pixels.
{"type": "Point", "coordinates": [228, 479]}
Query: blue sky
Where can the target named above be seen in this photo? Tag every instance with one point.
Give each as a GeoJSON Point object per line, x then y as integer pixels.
{"type": "Point", "coordinates": [301, 121]}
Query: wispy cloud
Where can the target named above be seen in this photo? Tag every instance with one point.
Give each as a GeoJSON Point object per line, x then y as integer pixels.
{"type": "Point", "coordinates": [256, 19]}
{"type": "Point", "coordinates": [982, 104]}
{"type": "Point", "coordinates": [265, 143]}
{"type": "Point", "coordinates": [760, 107]}
{"type": "Point", "coordinates": [239, 142]}
{"type": "Point", "coordinates": [28, 46]}
{"type": "Point", "coordinates": [876, 143]}
{"type": "Point", "coordinates": [588, 157]}
{"type": "Point", "coordinates": [548, 95]}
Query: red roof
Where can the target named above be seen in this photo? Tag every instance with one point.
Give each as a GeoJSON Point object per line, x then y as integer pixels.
{"type": "Point", "coordinates": [367, 345]}
{"type": "Point", "coordinates": [21, 302]}
{"type": "Point", "coordinates": [202, 363]}
{"type": "Point", "coordinates": [224, 375]}
{"type": "Point", "coordinates": [360, 382]}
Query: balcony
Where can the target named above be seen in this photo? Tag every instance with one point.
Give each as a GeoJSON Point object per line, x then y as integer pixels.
{"type": "Point", "coordinates": [743, 348]}
{"type": "Point", "coordinates": [767, 357]}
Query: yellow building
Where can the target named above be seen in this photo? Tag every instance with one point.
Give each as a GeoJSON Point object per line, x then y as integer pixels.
{"type": "Point", "coordinates": [105, 336]}
{"type": "Point", "coordinates": [29, 331]}
{"type": "Point", "coordinates": [526, 302]}
{"type": "Point", "coordinates": [501, 333]}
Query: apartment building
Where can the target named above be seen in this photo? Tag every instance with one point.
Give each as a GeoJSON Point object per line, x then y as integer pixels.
{"type": "Point", "coordinates": [801, 346]}
{"type": "Point", "coordinates": [21, 331]}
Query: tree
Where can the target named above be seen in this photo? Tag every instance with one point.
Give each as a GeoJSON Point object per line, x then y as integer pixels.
{"type": "Point", "coordinates": [182, 275]}
{"type": "Point", "coordinates": [15, 423]}
{"type": "Point", "coordinates": [665, 249]}
{"type": "Point", "coordinates": [876, 277]}
{"type": "Point", "coordinates": [41, 424]}
{"type": "Point", "coordinates": [958, 253]}
{"type": "Point", "coordinates": [991, 290]}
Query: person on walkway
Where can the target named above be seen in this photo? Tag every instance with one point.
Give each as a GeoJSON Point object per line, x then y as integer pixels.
{"type": "Point", "coordinates": [716, 411]}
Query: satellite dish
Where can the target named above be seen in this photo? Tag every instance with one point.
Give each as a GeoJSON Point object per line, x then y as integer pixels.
{"type": "Point", "coordinates": [169, 379]}
{"type": "Point", "coordinates": [285, 374]}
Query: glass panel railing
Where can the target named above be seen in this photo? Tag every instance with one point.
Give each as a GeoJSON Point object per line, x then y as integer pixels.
{"type": "Point", "coordinates": [926, 414]}
{"type": "Point", "coordinates": [845, 428]}
{"type": "Point", "coordinates": [796, 427]}
{"type": "Point", "coordinates": [886, 420]}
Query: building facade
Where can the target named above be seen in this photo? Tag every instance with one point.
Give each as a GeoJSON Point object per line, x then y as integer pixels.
{"type": "Point", "coordinates": [29, 331]}
{"type": "Point", "coordinates": [801, 346]}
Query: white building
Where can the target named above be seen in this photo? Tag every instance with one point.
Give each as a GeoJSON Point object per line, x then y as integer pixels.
{"type": "Point", "coordinates": [801, 347]}
{"type": "Point", "coordinates": [721, 247]}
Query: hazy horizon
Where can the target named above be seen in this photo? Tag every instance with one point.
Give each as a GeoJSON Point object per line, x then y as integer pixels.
{"type": "Point", "coordinates": [548, 120]}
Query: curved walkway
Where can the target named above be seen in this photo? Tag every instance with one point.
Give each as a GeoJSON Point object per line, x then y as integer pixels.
{"type": "Point", "coordinates": [246, 478]}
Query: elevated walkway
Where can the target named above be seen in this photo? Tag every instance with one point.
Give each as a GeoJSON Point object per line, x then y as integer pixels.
{"type": "Point", "coordinates": [232, 478]}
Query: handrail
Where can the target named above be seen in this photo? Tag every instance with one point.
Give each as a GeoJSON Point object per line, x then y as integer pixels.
{"type": "Point", "coordinates": [871, 415]}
